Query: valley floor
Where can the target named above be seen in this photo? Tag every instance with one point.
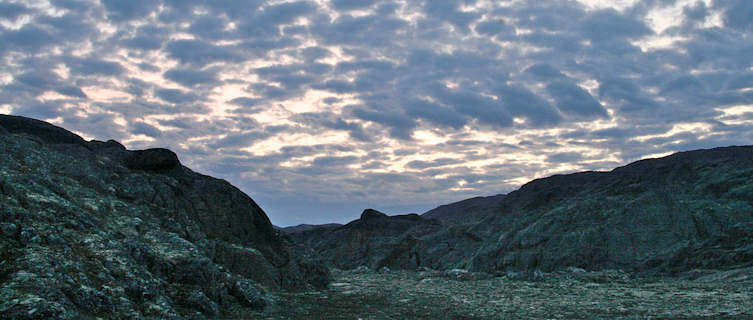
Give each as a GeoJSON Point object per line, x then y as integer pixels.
{"type": "Point", "coordinates": [580, 295]}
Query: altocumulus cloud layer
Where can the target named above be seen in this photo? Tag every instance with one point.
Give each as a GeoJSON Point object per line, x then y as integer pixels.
{"type": "Point", "coordinates": [320, 108]}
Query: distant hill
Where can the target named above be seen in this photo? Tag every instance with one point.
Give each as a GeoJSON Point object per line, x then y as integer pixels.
{"type": "Point", "coordinates": [465, 211]}
{"type": "Point", "coordinates": [688, 210]}
{"type": "Point", "coordinates": [306, 227]}
{"type": "Point", "coordinates": [374, 240]}
{"type": "Point", "coordinates": [89, 229]}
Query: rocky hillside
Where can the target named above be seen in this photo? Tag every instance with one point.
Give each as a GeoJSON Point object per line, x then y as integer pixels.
{"type": "Point", "coordinates": [90, 229]}
{"type": "Point", "coordinates": [685, 211]}
{"type": "Point", "coordinates": [374, 240]}
{"type": "Point", "coordinates": [306, 227]}
{"type": "Point", "coordinates": [465, 211]}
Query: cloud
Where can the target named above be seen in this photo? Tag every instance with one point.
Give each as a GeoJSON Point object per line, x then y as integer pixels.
{"type": "Point", "coordinates": [190, 78]}
{"type": "Point", "coordinates": [435, 113]}
{"type": "Point", "coordinates": [737, 13]}
{"type": "Point", "coordinates": [421, 164]}
{"type": "Point", "coordinates": [27, 39]}
{"type": "Point", "coordinates": [249, 105]}
{"type": "Point", "coordinates": [519, 101]}
{"type": "Point", "coordinates": [175, 95]}
{"type": "Point", "coordinates": [574, 100]}
{"type": "Point", "coordinates": [564, 157]}
{"type": "Point", "coordinates": [347, 104]}
{"type": "Point", "coordinates": [450, 12]}
{"type": "Point", "coordinates": [544, 71]}
{"type": "Point", "coordinates": [238, 140]}
{"type": "Point", "coordinates": [608, 25]}
{"type": "Point", "coordinates": [265, 23]}
{"type": "Point", "coordinates": [11, 10]}
{"type": "Point", "coordinates": [334, 161]}
{"type": "Point", "coordinates": [346, 5]}
{"type": "Point", "coordinates": [93, 66]}
{"type": "Point", "coordinates": [145, 129]}
{"type": "Point", "coordinates": [493, 27]}
{"type": "Point", "coordinates": [39, 110]}
{"type": "Point", "coordinates": [400, 126]}
{"type": "Point", "coordinates": [200, 52]}
{"type": "Point", "coordinates": [119, 10]}
{"type": "Point", "coordinates": [71, 91]}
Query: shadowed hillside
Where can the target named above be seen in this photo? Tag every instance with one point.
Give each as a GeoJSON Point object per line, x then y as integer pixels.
{"type": "Point", "coordinates": [90, 229]}
{"type": "Point", "coordinates": [688, 210]}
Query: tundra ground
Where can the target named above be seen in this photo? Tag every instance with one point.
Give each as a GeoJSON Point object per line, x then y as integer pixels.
{"type": "Point", "coordinates": [582, 295]}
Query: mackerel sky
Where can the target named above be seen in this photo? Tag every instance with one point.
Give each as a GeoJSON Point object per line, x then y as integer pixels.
{"type": "Point", "coordinates": [319, 109]}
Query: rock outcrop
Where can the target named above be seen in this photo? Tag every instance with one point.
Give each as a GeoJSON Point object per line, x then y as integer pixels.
{"type": "Point", "coordinates": [466, 211]}
{"type": "Point", "coordinates": [685, 211]}
{"type": "Point", "coordinates": [374, 240]}
{"type": "Point", "coordinates": [89, 229]}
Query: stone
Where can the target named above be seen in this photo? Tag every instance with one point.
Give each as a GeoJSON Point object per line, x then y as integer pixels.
{"type": "Point", "coordinates": [156, 159]}
{"type": "Point", "coordinates": [9, 230]}
{"type": "Point", "coordinates": [90, 299]}
{"type": "Point", "coordinates": [109, 144]}
{"type": "Point", "coordinates": [370, 214]}
{"type": "Point", "coordinates": [362, 269]}
{"type": "Point", "coordinates": [575, 270]}
{"type": "Point", "coordinates": [248, 295]}
{"type": "Point", "coordinates": [200, 301]}
{"type": "Point", "coordinates": [46, 132]}
{"type": "Point", "coordinates": [29, 236]}
{"type": "Point", "coordinates": [535, 275]}
{"type": "Point", "coordinates": [82, 236]}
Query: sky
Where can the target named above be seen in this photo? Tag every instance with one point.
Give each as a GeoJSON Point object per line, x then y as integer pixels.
{"type": "Point", "coordinates": [319, 109]}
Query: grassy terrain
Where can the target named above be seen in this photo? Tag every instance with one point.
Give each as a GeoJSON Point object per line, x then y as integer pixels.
{"type": "Point", "coordinates": [589, 295]}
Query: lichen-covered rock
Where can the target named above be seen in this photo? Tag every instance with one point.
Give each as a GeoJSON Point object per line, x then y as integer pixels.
{"type": "Point", "coordinates": [248, 295]}
{"type": "Point", "coordinates": [88, 230]}
{"type": "Point", "coordinates": [203, 303]}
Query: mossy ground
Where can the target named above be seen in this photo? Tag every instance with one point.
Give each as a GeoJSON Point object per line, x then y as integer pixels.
{"type": "Point", "coordinates": [591, 295]}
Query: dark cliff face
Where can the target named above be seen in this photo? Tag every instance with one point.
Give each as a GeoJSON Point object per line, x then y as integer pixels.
{"type": "Point", "coordinates": [374, 240]}
{"type": "Point", "coordinates": [465, 211]}
{"type": "Point", "coordinates": [681, 212]}
{"type": "Point", "coordinates": [90, 229]}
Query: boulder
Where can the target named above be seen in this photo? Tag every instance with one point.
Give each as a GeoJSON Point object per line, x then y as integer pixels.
{"type": "Point", "coordinates": [156, 159]}
{"type": "Point", "coordinates": [248, 295]}
{"type": "Point", "coordinates": [46, 132]}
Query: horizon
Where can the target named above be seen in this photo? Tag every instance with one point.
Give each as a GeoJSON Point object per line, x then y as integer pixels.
{"type": "Point", "coordinates": [319, 109]}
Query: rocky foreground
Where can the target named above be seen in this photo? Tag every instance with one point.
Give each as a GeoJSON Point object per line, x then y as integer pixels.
{"type": "Point", "coordinates": [569, 294]}
{"type": "Point", "coordinates": [91, 230]}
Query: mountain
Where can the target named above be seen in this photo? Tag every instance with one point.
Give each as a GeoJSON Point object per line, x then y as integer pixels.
{"type": "Point", "coordinates": [681, 212]}
{"type": "Point", "coordinates": [465, 211]}
{"type": "Point", "coordinates": [306, 227]}
{"type": "Point", "coordinates": [374, 240]}
{"type": "Point", "coordinates": [89, 229]}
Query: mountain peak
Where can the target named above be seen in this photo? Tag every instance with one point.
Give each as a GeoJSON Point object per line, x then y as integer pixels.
{"type": "Point", "coordinates": [372, 214]}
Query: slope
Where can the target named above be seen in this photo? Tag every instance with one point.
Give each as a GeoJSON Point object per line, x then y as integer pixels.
{"type": "Point", "coordinates": [88, 228]}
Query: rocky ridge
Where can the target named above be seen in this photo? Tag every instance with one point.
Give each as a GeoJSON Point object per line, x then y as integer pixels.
{"type": "Point", "coordinates": [690, 210]}
{"type": "Point", "coordinates": [375, 240]}
{"type": "Point", "coordinates": [89, 229]}
{"type": "Point", "coordinates": [465, 211]}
